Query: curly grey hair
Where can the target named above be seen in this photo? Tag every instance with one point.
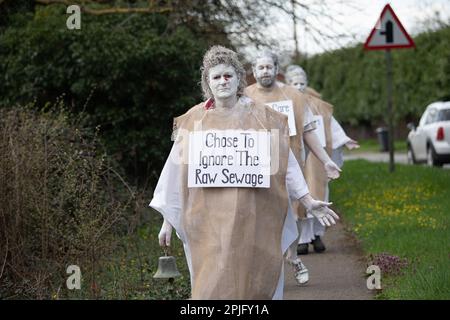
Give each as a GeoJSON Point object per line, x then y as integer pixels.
{"type": "Point", "coordinates": [220, 55]}
{"type": "Point", "coordinates": [294, 70]}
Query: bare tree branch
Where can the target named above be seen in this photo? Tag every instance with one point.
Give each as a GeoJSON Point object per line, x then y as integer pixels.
{"type": "Point", "coordinates": [119, 10]}
{"type": "Point", "coordinates": [243, 21]}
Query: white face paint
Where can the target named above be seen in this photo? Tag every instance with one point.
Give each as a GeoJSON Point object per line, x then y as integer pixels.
{"type": "Point", "coordinates": [223, 81]}
{"type": "Point", "coordinates": [265, 71]}
{"type": "Point", "coordinates": [299, 82]}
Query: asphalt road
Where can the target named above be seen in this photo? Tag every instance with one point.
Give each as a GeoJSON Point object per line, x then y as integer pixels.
{"type": "Point", "coordinates": [380, 157]}
{"type": "Point", "coordinates": [376, 157]}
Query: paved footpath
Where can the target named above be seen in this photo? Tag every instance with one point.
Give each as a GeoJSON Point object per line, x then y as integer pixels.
{"type": "Point", "coordinates": [339, 272]}
{"type": "Point", "coordinates": [336, 274]}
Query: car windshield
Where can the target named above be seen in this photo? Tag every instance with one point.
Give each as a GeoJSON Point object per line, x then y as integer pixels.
{"type": "Point", "coordinates": [444, 115]}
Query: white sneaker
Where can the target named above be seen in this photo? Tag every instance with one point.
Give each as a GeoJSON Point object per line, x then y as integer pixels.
{"type": "Point", "coordinates": [300, 272]}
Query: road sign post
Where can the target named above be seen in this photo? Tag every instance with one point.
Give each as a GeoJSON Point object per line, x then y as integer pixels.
{"type": "Point", "coordinates": [389, 34]}
{"type": "Point", "coordinates": [390, 110]}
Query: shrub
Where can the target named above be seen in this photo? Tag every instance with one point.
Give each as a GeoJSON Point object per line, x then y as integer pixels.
{"type": "Point", "coordinates": [60, 201]}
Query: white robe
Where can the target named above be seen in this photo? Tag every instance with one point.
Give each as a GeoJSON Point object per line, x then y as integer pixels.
{"type": "Point", "coordinates": [169, 205]}
{"type": "Point", "coordinates": [311, 227]}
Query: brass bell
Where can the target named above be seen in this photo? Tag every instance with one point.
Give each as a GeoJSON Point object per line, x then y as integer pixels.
{"type": "Point", "coordinates": [167, 267]}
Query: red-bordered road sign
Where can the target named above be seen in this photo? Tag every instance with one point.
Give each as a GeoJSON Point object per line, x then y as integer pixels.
{"type": "Point", "coordinates": [388, 33]}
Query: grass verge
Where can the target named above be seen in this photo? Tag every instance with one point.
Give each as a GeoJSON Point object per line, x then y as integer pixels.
{"type": "Point", "coordinates": [404, 214]}
{"type": "Point", "coordinates": [128, 273]}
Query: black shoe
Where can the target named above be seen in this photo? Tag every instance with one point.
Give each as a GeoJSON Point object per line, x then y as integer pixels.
{"type": "Point", "coordinates": [318, 245]}
{"type": "Point", "coordinates": [302, 248]}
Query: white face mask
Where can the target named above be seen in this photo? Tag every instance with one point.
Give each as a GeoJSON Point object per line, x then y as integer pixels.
{"type": "Point", "coordinates": [265, 71]}
{"type": "Point", "coordinates": [299, 82]}
{"type": "Point", "coordinates": [223, 81]}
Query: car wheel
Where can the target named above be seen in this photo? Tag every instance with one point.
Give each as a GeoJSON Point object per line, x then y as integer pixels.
{"type": "Point", "coordinates": [410, 155]}
{"type": "Point", "coordinates": [431, 157]}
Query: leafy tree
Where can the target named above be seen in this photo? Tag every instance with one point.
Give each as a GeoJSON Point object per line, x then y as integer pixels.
{"type": "Point", "coordinates": [127, 72]}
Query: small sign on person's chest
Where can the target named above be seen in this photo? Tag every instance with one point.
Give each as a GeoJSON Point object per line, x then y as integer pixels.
{"type": "Point", "coordinates": [287, 108]}
{"type": "Point", "coordinates": [320, 129]}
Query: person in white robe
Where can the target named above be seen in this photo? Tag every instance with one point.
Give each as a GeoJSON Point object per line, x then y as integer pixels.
{"type": "Point", "coordinates": [220, 250]}
{"type": "Point", "coordinates": [311, 232]}
{"type": "Point", "coordinates": [294, 104]}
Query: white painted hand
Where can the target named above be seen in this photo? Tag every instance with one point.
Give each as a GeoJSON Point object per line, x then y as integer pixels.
{"type": "Point", "coordinates": [324, 214]}
{"type": "Point", "coordinates": [320, 210]}
{"type": "Point", "coordinates": [332, 170]}
{"type": "Point", "coordinates": [165, 234]}
{"type": "Point", "coordinates": [352, 144]}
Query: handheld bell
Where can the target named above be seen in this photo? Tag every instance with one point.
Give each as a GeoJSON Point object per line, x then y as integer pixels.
{"type": "Point", "coordinates": [167, 267]}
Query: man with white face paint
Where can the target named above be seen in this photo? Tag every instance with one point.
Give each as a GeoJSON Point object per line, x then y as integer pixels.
{"type": "Point", "coordinates": [234, 237]}
{"type": "Point", "coordinates": [333, 139]}
{"type": "Point", "coordinates": [268, 91]}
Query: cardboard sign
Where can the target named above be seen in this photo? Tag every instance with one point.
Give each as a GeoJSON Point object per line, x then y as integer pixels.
{"type": "Point", "coordinates": [320, 130]}
{"type": "Point", "coordinates": [287, 108]}
{"type": "Point", "coordinates": [229, 158]}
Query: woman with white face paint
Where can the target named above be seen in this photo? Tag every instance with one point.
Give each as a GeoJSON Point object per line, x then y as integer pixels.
{"type": "Point", "coordinates": [333, 139]}
{"type": "Point", "coordinates": [234, 237]}
{"type": "Point", "coordinates": [268, 91]}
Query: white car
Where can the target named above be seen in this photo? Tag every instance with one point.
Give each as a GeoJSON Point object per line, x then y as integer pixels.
{"type": "Point", "coordinates": [430, 141]}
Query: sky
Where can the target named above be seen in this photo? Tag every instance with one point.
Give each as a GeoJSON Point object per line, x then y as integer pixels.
{"type": "Point", "coordinates": [355, 19]}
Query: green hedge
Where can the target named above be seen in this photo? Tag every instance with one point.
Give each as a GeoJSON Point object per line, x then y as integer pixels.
{"type": "Point", "coordinates": [354, 80]}
{"type": "Point", "coordinates": [131, 73]}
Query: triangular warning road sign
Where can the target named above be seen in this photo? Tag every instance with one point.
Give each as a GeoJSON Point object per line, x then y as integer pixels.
{"type": "Point", "coordinates": [388, 33]}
